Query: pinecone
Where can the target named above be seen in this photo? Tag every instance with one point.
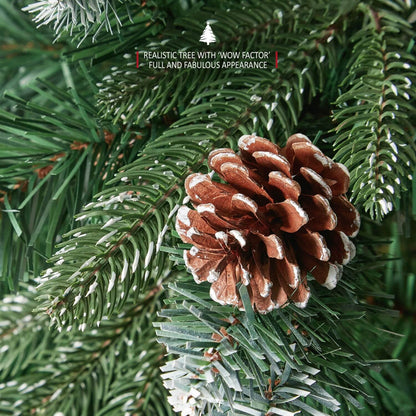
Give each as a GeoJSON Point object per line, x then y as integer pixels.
{"type": "Point", "coordinates": [281, 214]}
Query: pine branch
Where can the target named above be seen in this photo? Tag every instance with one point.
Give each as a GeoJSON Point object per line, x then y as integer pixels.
{"type": "Point", "coordinates": [46, 163]}
{"type": "Point", "coordinates": [114, 369]}
{"type": "Point", "coordinates": [374, 134]}
{"type": "Point", "coordinates": [68, 14]}
{"type": "Point", "coordinates": [309, 360]}
{"type": "Point", "coordinates": [100, 25]}
{"type": "Point", "coordinates": [25, 52]}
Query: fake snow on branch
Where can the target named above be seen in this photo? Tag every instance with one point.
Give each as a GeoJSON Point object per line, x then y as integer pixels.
{"type": "Point", "coordinates": [67, 14]}
{"type": "Point", "coordinates": [208, 35]}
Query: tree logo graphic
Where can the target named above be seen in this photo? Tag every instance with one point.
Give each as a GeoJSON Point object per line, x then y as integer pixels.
{"type": "Point", "coordinates": [208, 35]}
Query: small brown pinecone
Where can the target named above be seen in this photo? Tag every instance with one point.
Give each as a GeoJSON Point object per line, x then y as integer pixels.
{"type": "Point", "coordinates": [282, 213]}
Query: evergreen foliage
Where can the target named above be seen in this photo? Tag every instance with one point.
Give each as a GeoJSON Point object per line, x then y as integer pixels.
{"type": "Point", "coordinates": [110, 370]}
{"type": "Point", "coordinates": [69, 14]}
{"type": "Point", "coordinates": [93, 156]}
{"type": "Point", "coordinates": [379, 145]}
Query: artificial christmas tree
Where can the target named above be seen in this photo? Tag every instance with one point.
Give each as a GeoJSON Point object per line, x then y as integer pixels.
{"type": "Point", "coordinates": [99, 314]}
